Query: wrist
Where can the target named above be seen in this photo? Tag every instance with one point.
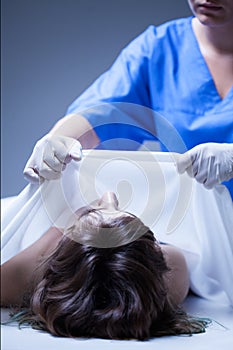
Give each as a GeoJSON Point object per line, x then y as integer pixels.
{"type": "Point", "coordinates": [76, 126]}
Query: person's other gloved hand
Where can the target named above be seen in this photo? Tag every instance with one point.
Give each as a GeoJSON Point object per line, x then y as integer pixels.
{"type": "Point", "coordinates": [209, 163]}
{"type": "Point", "coordinates": [50, 156]}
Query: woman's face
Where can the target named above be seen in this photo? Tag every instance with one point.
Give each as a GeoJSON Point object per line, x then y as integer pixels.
{"type": "Point", "coordinates": [212, 12]}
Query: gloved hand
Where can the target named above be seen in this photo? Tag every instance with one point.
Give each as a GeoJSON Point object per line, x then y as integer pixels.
{"type": "Point", "coordinates": [50, 156]}
{"type": "Point", "coordinates": [209, 163]}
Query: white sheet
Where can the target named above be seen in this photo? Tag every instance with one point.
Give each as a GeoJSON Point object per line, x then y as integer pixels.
{"type": "Point", "coordinates": [177, 209]}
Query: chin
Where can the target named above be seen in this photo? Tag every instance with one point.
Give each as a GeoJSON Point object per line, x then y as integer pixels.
{"type": "Point", "coordinates": [208, 16]}
{"type": "Point", "coordinates": [212, 21]}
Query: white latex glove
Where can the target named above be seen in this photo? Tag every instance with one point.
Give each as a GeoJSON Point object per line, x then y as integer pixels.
{"type": "Point", "coordinates": [208, 163]}
{"type": "Point", "coordinates": [50, 156]}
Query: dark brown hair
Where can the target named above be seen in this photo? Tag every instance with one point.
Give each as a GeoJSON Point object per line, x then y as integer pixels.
{"type": "Point", "coordinates": [117, 293]}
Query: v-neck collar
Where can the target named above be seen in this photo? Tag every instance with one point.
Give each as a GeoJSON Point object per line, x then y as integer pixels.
{"type": "Point", "coordinates": [205, 73]}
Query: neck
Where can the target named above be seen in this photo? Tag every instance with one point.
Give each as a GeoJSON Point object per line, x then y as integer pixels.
{"type": "Point", "coordinates": [215, 38]}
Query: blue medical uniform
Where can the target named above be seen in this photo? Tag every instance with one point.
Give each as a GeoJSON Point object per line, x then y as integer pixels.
{"type": "Point", "coordinates": [160, 88]}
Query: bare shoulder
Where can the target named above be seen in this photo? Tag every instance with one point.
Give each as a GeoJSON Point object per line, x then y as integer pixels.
{"type": "Point", "coordinates": [178, 276]}
{"type": "Point", "coordinates": [18, 272]}
{"type": "Point", "coordinates": [49, 240]}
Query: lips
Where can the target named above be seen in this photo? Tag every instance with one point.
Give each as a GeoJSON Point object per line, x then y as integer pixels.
{"type": "Point", "coordinates": [209, 10]}
{"type": "Point", "coordinates": [210, 6]}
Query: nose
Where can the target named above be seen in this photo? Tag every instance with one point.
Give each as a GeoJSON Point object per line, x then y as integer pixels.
{"type": "Point", "coordinates": [109, 201]}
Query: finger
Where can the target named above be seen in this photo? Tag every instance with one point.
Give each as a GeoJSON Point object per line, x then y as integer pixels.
{"type": "Point", "coordinates": [53, 162]}
{"type": "Point", "coordinates": [184, 162]}
{"type": "Point", "coordinates": [200, 167]}
{"type": "Point", "coordinates": [76, 152]}
{"type": "Point", "coordinates": [61, 153]}
{"type": "Point", "coordinates": [64, 155]}
{"type": "Point", "coordinates": [48, 173]}
{"type": "Point", "coordinates": [201, 176]}
{"type": "Point", "coordinates": [74, 148]}
{"type": "Point", "coordinates": [213, 177]}
{"type": "Point", "coordinates": [209, 184]}
{"type": "Point", "coordinates": [189, 171]}
{"type": "Point", "coordinates": [31, 176]}
{"type": "Point", "coordinates": [55, 158]}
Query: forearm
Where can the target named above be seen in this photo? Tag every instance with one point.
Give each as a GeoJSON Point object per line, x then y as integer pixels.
{"type": "Point", "coordinates": [77, 127]}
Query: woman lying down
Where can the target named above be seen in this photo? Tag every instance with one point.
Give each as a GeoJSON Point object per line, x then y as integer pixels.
{"type": "Point", "coordinates": [118, 283]}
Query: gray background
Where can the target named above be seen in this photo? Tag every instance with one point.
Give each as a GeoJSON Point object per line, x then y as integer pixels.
{"type": "Point", "coordinates": [52, 50]}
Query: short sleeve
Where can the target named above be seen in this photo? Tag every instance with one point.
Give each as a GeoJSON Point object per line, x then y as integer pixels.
{"type": "Point", "coordinates": [126, 82]}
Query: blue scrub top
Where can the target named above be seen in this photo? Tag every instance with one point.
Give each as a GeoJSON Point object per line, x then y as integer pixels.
{"type": "Point", "coordinates": [159, 88]}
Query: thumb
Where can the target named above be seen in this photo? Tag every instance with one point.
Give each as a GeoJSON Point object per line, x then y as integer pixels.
{"type": "Point", "coordinates": [183, 162]}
